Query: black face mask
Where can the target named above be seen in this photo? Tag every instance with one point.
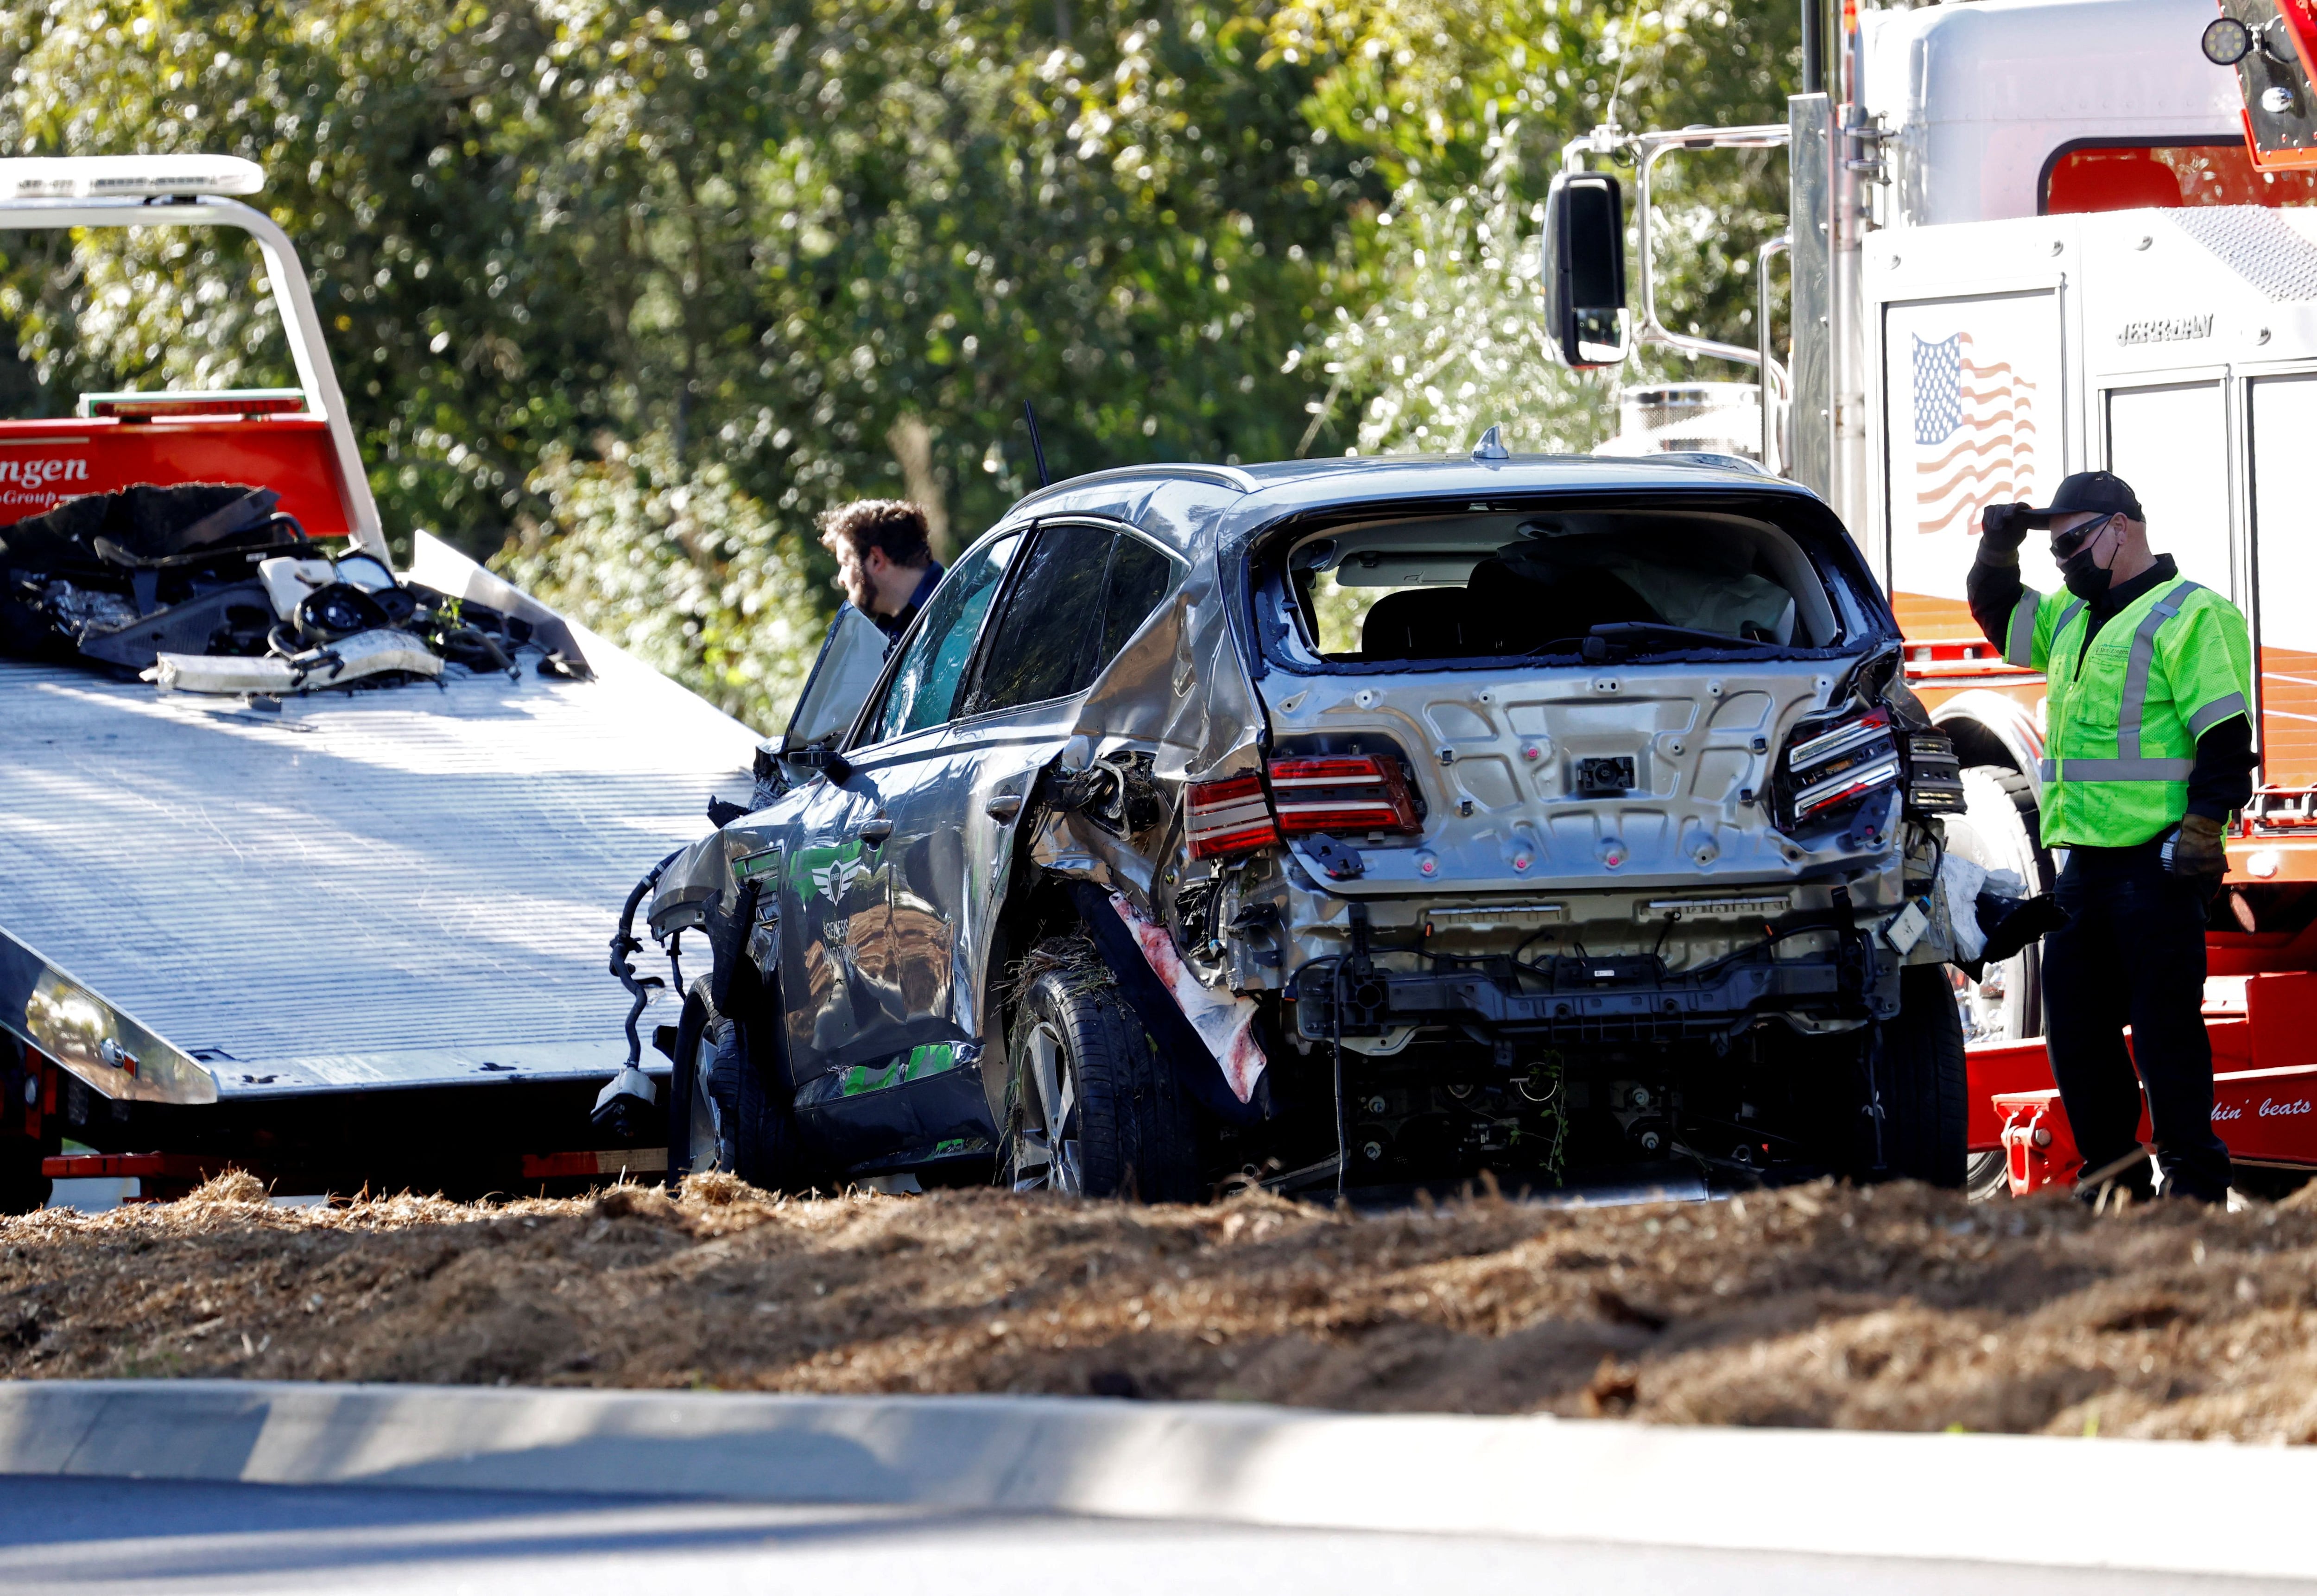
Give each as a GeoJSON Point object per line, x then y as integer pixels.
{"type": "Point", "coordinates": [2087, 579]}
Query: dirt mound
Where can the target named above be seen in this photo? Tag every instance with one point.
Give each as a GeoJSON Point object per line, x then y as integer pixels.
{"type": "Point", "coordinates": [1894, 1308]}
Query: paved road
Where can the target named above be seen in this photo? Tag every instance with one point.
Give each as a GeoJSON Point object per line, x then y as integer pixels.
{"type": "Point", "coordinates": [84, 1537]}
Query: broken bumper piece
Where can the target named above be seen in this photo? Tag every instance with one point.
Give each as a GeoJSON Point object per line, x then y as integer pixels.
{"type": "Point", "coordinates": [349, 659]}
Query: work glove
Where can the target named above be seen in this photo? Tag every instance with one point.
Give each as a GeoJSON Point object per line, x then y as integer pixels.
{"type": "Point", "coordinates": [2002, 528]}
{"type": "Point", "coordinates": [2010, 924]}
{"type": "Point", "coordinates": [2198, 855]}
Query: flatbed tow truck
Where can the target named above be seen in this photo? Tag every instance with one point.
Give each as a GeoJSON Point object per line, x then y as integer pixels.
{"type": "Point", "coordinates": [2029, 238]}
{"type": "Point", "coordinates": [337, 938]}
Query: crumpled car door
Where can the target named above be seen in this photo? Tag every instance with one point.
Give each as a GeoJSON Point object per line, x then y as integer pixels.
{"type": "Point", "coordinates": [856, 997]}
{"type": "Point", "coordinates": [833, 905]}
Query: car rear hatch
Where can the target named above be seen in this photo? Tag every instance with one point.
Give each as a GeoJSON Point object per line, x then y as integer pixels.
{"type": "Point", "coordinates": [1630, 692]}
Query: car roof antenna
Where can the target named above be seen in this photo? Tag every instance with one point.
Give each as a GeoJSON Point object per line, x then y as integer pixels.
{"type": "Point", "coordinates": [1030, 415]}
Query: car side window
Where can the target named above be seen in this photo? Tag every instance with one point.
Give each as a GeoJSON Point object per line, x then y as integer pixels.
{"type": "Point", "coordinates": [923, 689]}
{"type": "Point", "coordinates": [1140, 579]}
{"type": "Point", "coordinates": [1081, 593]}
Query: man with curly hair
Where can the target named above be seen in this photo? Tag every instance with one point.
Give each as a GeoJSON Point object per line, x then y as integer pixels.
{"type": "Point", "coordinates": [885, 559]}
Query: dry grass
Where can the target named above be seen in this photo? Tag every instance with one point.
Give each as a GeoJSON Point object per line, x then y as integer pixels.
{"type": "Point", "coordinates": [1896, 1308]}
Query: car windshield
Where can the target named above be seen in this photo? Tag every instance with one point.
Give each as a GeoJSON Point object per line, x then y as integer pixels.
{"type": "Point", "coordinates": [1473, 588]}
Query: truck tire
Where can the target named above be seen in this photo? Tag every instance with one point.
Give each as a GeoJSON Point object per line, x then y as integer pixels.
{"type": "Point", "coordinates": [1925, 1095]}
{"type": "Point", "coordinates": [725, 1111]}
{"type": "Point", "coordinates": [1090, 1111]}
{"type": "Point", "coordinates": [1997, 831]}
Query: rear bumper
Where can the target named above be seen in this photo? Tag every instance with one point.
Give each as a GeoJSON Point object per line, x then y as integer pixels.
{"type": "Point", "coordinates": [1493, 998]}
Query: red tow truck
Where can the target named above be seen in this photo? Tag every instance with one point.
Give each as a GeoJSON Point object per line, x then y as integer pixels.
{"type": "Point", "coordinates": [2029, 238]}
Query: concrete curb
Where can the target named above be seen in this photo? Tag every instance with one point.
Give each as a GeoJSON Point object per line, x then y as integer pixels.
{"type": "Point", "coordinates": [1998, 1499]}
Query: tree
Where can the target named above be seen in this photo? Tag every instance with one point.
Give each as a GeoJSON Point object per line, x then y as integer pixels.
{"type": "Point", "coordinates": [747, 258]}
{"type": "Point", "coordinates": [681, 568]}
{"type": "Point", "coordinates": [1468, 107]}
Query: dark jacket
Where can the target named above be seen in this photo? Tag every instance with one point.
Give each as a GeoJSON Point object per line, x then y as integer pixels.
{"type": "Point", "coordinates": [894, 625]}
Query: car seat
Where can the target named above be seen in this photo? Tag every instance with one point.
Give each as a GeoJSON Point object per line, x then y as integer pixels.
{"type": "Point", "coordinates": [1523, 606]}
{"type": "Point", "coordinates": [1423, 623]}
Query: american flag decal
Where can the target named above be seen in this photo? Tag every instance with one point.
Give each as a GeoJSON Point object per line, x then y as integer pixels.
{"type": "Point", "coordinates": [1974, 436]}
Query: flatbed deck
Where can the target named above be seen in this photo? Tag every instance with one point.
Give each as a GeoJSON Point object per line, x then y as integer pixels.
{"type": "Point", "coordinates": [412, 886]}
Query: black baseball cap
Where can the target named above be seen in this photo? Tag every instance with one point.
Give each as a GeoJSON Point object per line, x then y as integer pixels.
{"type": "Point", "coordinates": [2102, 492]}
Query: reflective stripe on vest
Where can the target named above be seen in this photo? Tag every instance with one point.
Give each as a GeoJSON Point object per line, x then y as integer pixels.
{"type": "Point", "coordinates": [2126, 708]}
{"type": "Point", "coordinates": [2066, 616]}
{"type": "Point", "coordinates": [2132, 707]}
{"type": "Point", "coordinates": [2019, 641]}
{"type": "Point", "coordinates": [2113, 799]}
{"type": "Point", "coordinates": [2214, 712]}
{"type": "Point", "coordinates": [2114, 770]}
{"type": "Point", "coordinates": [2135, 707]}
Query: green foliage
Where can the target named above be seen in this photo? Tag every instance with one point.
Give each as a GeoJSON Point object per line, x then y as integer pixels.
{"type": "Point", "coordinates": [1468, 104]}
{"type": "Point", "coordinates": [750, 258]}
{"type": "Point", "coordinates": [1456, 341]}
{"type": "Point", "coordinates": [775, 230]}
{"type": "Point", "coordinates": [679, 567]}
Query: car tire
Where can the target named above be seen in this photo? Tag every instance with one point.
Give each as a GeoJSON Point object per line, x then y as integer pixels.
{"type": "Point", "coordinates": [1091, 1108]}
{"type": "Point", "coordinates": [725, 1112]}
{"type": "Point", "coordinates": [1926, 1103]}
{"type": "Point", "coordinates": [692, 1129]}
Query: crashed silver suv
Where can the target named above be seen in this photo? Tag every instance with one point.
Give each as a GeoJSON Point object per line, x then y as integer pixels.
{"type": "Point", "coordinates": [1361, 822]}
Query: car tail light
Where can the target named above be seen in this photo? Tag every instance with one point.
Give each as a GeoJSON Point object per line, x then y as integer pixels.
{"type": "Point", "coordinates": [1934, 774]}
{"type": "Point", "coordinates": [1830, 765]}
{"type": "Point", "coordinates": [1342, 792]}
{"type": "Point", "coordinates": [1230, 816]}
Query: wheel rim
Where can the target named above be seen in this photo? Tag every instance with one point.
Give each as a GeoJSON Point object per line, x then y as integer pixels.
{"type": "Point", "coordinates": [1047, 1154]}
{"type": "Point", "coordinates": [705, 1134]}
{"type": "Point", "coordinates": [1987, 1006]}
{"type": "Point", "coordinates": [1988, 1175]}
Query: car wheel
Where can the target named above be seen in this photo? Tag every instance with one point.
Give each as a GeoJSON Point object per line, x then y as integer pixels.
{"type": "Point", "coordinates": [724, 1111]}
{"type": "Point", "coordinates": [1924, 1093]}
{"type": "Point", "coordinates": [693, 1136]}
{"type": "Point", "coordinates": [1090, 1111]}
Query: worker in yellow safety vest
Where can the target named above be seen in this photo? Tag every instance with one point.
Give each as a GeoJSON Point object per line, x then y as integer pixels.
{"type": "Point", "coordinates": [2148, 750]}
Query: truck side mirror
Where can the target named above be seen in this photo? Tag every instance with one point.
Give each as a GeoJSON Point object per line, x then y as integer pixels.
{"type": "Point", "coordinates": [1585, 267]}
